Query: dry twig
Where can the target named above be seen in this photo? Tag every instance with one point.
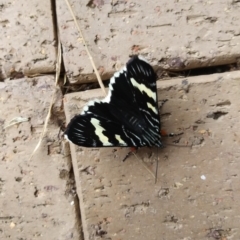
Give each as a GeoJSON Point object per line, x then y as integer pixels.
{"type": "Point", "coordinates": [86, 48]}
{"type": "Point", "coordinates": [58, 70]}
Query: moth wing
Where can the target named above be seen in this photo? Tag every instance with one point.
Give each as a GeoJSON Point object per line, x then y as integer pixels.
{"type": "Point", "coordinates": [128, 116]}
{"type": "Point", "coordinates": [96, 127]}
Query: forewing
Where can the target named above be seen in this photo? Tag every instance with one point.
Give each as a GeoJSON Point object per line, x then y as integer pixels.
{"type": "Point", "coordinates": [143, 79]}
{"type": "Point", "coordinates": [134, 97]}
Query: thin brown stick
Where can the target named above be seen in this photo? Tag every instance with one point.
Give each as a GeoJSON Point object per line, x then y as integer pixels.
{"type": "Point", "coordinates": [86, 48]}
{"type": "Point", "coordinates": [58, 70]}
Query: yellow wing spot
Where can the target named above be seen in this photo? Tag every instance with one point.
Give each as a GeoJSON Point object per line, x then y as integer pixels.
{"type": "Point", "coordinates": [118, 137]}
{"type": "Point", "coordinates": [99, 132]}
{"type": "Point", "coordinates": [143, 88]}
{"type": "Point", "coordinates": [152, 107]}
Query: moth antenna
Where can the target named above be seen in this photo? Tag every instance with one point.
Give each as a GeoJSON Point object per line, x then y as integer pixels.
{"type": "Point", "coordinates": [156, 170]}
{"type": "Point", "coordinates": [175, 145]}
{"type": "Point", "coordinates": [133, 149]}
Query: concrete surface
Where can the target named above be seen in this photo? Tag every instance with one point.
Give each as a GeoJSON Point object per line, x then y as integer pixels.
{"type": "Point", "coordinates": [197, 193]}
{"type": "Point", "coordinates": [172, 34]}
{"type": "Point", "coordinates": [37, 197]}
{"type": "Point", "coordinates": [28, 43]}
{"type": "Point", "coordinates": [120, 200]}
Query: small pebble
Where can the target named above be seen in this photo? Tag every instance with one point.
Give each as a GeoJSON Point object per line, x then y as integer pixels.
{"type": "Point", "coordinates": [203, 177]}
{"type": "Point", "coordinates": [12, 225]}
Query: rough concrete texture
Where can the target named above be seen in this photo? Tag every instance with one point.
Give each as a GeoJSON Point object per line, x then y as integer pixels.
{"type": "Point", "coordinates": [27, 38]}
{"type": "Point", "coordinates": [172, 34]}
{"type": "Point", "coordinates": [37, 199]}
{"type": "Point", "coordinates": [197, 192]}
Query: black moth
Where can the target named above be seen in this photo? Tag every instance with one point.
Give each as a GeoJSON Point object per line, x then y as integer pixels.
{"type": "Point", "coordinates": [128, 116]}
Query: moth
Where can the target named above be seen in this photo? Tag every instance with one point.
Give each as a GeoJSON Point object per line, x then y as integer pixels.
{"type": "Point", "coordinates": [127, 117]}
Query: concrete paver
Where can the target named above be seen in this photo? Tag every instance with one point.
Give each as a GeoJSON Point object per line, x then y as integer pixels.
{"type": "Point", "coordinates": [28, 43]}
{"type": "Point", "coordinates": [197, 193]}
{"type": "Point", "coordinates": [196, 196]}
{"type": "Point", "coordinates": [37, 199]}
{"type": "Point", "coordinates": [172, 34]}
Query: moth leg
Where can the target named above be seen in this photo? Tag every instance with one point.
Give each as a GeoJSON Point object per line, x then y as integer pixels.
{"type": "Point", "coordinates": [165, 134]}
{"type": "Point", "coordinates": [161, 103]}
{"type": "Point", "coordinates": [132, 150]}
{"type": "Point", "coordinates": [174, 134]}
